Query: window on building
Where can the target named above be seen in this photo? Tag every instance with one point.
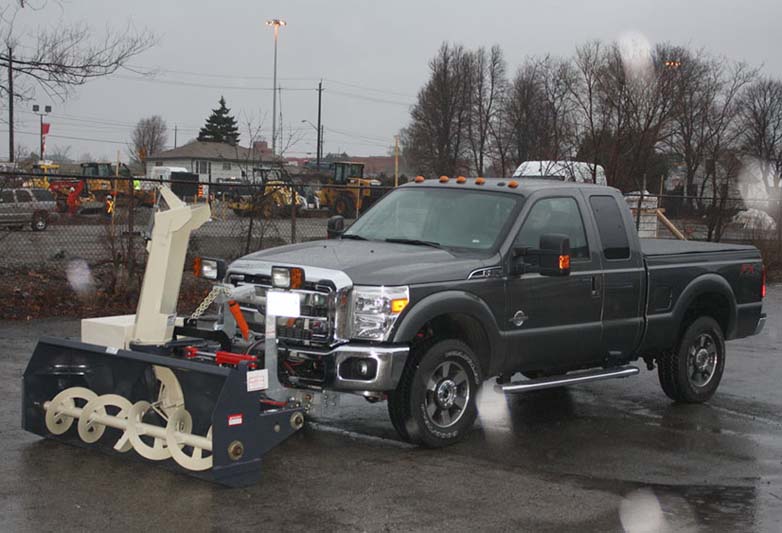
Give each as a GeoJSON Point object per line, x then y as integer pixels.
{"type": "Point", "coordinates": [555, 215]}
{"type": "Point", "coordinates": [226, 166]}
{"type": "Point", "coordinates": [202, 167]}
{"type": "Point", "coordinates": [611, 227]}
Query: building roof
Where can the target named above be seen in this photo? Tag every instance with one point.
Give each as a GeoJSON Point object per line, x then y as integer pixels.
{"type": "Point", "coordinates": [213, 152]}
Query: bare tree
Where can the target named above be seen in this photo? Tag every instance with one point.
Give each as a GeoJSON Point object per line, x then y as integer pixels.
{"type": "Point", "coordinates": [60, 154]}
{"type": "Point", "coordinates": [486, 81]}
{"type": "Point", "coordinates": [707, 89]}
{"type": "Point", "coordinates": [592, 113]}
{"type": "Point", "coordinates": [761, 119]}
{"type": "Point", "coordinates": [149, 137]}
{"type": "Point", "coordinates": [60, 57]}
{"type": "Point", "coordinates": [435, 141]}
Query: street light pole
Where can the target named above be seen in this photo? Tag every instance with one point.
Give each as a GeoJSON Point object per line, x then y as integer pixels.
{"type": "Point", "coordinates": [37, 110]}
{"type": "Point", "coordinates": [276, 23]}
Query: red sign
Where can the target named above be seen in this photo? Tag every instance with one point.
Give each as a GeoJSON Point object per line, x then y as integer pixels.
{"type": "Point", "coordinates": [235, 420]}
{"type": "Point", "coordinates": [45, 128]}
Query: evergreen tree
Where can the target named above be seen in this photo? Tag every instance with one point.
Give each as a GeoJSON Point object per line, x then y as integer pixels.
{"type": "Point", "coordinates": [220, 127]}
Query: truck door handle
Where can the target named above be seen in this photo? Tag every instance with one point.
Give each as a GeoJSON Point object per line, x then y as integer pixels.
{"type": "Point", "coordinates": [595, 287]}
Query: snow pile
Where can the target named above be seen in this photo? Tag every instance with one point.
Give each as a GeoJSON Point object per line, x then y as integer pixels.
{"type": "Point", "coordinates": [755, 219]}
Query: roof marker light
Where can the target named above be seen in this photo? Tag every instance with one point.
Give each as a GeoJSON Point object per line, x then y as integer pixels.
{"type": "Point", "coordinates": [461, 179]}
{"type": "Point", "coordinates": [479, 181]}
{"type": "Point", "coordinates": [419, 179]}
{"type": "Point", "coordinates": [513, 184]}
{"type": "Point", "coordinates": [444, 179]}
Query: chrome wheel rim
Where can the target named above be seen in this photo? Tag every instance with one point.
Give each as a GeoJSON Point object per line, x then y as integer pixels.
{"type": "Point", "coordinates": [447, 394]}
{"type": "Point", "coordinates": [702, 359]}
{"type": "Point", "coordinates": [40, 224]}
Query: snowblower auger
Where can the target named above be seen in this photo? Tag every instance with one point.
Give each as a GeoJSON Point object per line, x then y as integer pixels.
{"type": "Point", "coordinates": [130, 386]}
{"type": "Point", "coordinates": [85, 394]}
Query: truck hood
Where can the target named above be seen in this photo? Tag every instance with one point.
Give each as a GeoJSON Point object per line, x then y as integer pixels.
{"type": "Point", "coordinates": [372, 262]}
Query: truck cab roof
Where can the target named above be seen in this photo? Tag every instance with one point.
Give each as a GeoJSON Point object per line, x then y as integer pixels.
{"type": "Point", "coordinates": [523, 186]}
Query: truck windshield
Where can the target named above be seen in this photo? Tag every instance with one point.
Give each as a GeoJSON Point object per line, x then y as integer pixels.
{"type": "Point", "coordinates": [460, 219]}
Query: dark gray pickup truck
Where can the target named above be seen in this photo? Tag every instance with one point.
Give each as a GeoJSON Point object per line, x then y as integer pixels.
{"type": "Point", "coordinates": [446, 283]}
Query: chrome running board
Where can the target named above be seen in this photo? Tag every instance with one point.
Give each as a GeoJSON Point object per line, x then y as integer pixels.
{"type": "Point", "coordinates": [569, 379]}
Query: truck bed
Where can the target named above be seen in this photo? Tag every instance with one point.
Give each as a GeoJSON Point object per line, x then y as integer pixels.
{"type": "Point", "coordinates": [657, 247]}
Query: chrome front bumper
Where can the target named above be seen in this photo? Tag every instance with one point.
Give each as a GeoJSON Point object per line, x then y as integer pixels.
{"type": "Point", "coordinates": [390, 361]}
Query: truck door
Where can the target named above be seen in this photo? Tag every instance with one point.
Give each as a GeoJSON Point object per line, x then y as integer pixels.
{"type": "Point", "coordinates": [555, 321]}
{"type": "Point", "coordinates": [624, 276]}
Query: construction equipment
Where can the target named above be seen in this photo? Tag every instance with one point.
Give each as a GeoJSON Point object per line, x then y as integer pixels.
{"type": "Point", "coordinates": [156, 384]}
{"type": "Point", "coordinates": [102, 180]}
{"type": "Point", "coordinates": [269, 194]}
{"type": "Point", "coordinates": [347, 192]}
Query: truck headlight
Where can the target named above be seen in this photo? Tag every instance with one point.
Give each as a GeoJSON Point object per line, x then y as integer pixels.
{"type": "Point", "coordinates": [374, 311]}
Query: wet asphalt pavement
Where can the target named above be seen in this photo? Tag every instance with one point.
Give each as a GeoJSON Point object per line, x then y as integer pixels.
{"type": "Point", "coordinates": [608, 456]}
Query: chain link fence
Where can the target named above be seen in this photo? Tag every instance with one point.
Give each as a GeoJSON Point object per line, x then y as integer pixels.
{"type": "Point", "coordinates": [87, 235]}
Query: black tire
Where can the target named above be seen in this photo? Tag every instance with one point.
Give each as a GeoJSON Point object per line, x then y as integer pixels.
{"type": "Point", "coordinates": [40, 222]}
{"type": "Point", "coordinates": [432, 416]}
{"type": "Point", "coordinates": [345, 207]}
{"type": "Point", "coordinates": [693, 371]}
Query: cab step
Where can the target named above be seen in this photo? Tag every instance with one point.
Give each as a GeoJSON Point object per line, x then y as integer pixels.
{"type": "Point", "coordinates": [569, 379]}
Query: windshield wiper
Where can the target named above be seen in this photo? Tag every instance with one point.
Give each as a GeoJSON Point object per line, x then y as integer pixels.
{"type": "Point", "coordinates": [354, 237]}
{"type": "Point", "coordinates": [414, 242]}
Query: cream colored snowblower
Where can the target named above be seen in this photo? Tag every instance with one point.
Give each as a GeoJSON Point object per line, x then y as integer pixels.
{"type": "Point", "coordinates": [152, 386]}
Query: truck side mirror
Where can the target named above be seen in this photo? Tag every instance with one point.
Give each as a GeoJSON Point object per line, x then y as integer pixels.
{"type": "Point", "coordinates": [335, 226]}
{"type": "Point", "coordinates": [554, 255]}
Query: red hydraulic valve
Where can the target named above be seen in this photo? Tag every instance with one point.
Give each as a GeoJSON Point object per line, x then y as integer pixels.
{"type": "Point", "coordinates": [221, 357]}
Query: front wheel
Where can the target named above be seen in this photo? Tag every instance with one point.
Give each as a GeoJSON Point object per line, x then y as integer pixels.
{"type": "Point", "coordinates": [692, 373]}
{"type": "Point", "coordinates": [434, 403]}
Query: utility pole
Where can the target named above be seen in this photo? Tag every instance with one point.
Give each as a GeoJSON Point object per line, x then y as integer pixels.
{"type": "Point", "coordinates": [175, 132]}
{"type": "Point", "coordinates": [10, 104]}
{"type": "Point", "coordinates": [320, 126]}
{"type": "Point", "coordinates": [396, 160]}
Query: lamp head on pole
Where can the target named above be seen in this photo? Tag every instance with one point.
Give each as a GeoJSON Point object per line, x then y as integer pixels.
{"type": "Point", "coordinates": [276, 22]}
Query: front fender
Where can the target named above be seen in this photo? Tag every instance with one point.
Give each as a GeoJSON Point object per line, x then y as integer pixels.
{"type": "Point", "coordinates": [449, 302]}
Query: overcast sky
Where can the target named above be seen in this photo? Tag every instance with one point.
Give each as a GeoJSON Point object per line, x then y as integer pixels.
{"type": "Point", "coordinates": [372, 57]}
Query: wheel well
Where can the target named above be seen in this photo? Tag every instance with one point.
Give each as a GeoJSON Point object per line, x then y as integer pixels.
{"type": "Point", "coordinates": [712, 304]}
{"type": "Point", "coordinates": [463, 327]}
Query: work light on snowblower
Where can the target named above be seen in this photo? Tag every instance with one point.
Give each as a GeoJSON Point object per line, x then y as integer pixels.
{"type": "Point", "coordinates": [156, 386]}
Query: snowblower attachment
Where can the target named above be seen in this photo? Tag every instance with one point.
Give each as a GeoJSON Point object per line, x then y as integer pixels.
{"type": "Point", "coordinates": [130, 386]}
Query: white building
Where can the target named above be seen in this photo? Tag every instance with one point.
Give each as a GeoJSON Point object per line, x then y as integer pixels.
{"type": "Point", "coordinates": [215, 161]}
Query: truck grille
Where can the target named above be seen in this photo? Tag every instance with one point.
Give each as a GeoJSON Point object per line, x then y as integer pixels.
{"type": "Point", "coordinates": [315, 326]}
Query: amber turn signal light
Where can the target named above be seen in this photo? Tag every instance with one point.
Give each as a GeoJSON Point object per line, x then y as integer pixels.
{"type": "Point", "coordinates": [564, 263]}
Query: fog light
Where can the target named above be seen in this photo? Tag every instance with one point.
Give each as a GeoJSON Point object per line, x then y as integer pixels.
{"type": "Point", "coordinates": [358, 368]}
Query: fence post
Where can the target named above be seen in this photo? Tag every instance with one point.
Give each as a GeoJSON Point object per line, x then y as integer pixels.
{"type": "Point", "coordinates": [293, 214]}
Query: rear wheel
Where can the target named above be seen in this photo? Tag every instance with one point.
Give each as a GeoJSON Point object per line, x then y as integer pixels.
{"type": "Point", "coordinates": [434, 403]}
{"type": "Point", "coordinates": [345, 207]}
{"type": "Point", "coordinates": [692, 373]}
{"type": "Point", "coordinates": [40, 222]}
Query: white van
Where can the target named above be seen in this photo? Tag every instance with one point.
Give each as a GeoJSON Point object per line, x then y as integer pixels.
{"type": "Point", "coordinates": [576, 171]}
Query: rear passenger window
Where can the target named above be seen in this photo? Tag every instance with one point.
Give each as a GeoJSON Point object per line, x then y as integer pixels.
{"type": "Point", "coordinates": [42, 195]}
{"type": "Point", "coordinates": [611, 227]}
{"type": "Point", "coordinates": [6, 197]}
{"type": "Point", "coordinates": [24, 196]}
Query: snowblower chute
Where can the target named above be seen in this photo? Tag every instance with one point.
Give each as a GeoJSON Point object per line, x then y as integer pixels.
{"type": "Point", "coordinates": [141, 385]}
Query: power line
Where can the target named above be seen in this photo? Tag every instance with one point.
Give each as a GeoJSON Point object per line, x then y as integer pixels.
{"type": "Point", "coordinates": [371, 98]}
{"type": "Point", "coordinates": [181, 83]}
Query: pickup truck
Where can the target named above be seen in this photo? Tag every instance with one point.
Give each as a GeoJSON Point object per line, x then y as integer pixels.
{"type": "Point", "coordinates": [444, 284]}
